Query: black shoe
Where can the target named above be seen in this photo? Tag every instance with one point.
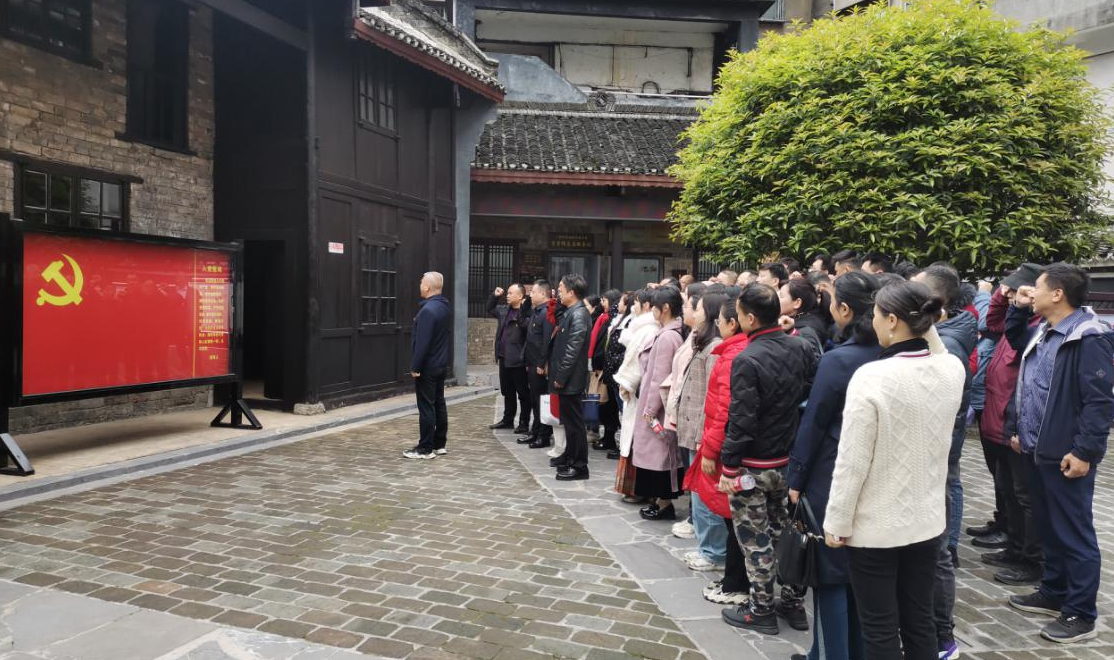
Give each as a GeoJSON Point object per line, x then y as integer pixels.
{"type": "Point", "coordinates": [985, 530]}
{"type": "Point", "coordinates": [557, 462]}
{"type": "Point", "coordinates": [569, 473]}
{"type": "Point", "coordinates": [993, 541]}
{"type": "Point", "coordinates": [1001, 559]}
{"type": "Point", "coordinates": [522, 428]}
{"type": "Point", "coordinates": [654, 512]}
{"type": "Point", "coordinates": [540, 443]}
{"type": "Point", "coordinates": [955, 555]}
{"type": "Point", "coordinates": [613, 454]}
{"type": "Point", "coordinates": [793, 613]}
{"type": "Point", "coordinates": [1019, 576]}
{"type": "Point", "coordinates": [1035, 603]}
{"type": "Point", "coordinates": [526, 440]}
{"type": "Point", "coordinates": [1069, 629]}
{"type": "Point", "coordinates": [501, 425]}
{"type": "Point", "coordinates": [745, 617]}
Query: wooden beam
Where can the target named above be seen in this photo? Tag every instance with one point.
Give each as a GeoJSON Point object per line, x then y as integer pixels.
{"type": "Point", "coordinates": [573, 178]}
{"type": "Point", "coordinates": [265, 22]}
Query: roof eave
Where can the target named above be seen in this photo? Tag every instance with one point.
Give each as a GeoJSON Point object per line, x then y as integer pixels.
{"type": "Point", "coordinates": [484, 175]}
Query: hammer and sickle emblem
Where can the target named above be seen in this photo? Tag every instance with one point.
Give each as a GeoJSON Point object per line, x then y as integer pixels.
{"type": "Point", "coordinates": [71, 291]}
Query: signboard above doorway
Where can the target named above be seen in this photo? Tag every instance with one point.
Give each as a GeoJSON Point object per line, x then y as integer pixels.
{"type": "Point", "coordinates": [564, 241]}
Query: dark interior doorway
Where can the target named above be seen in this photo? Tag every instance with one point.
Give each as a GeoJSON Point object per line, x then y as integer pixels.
{"type": "Point", "coordinates": [263, 316]}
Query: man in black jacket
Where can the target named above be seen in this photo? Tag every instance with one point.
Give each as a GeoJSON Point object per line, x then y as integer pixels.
{"type": "Point", "coordinates": [568, 375]}
{"type": "Point", "coordinates": [769, 381]}
{"type": "Point", "coordinates": [510, 342]}
{"type": "Point", "coordinates": [433, 328]}
{"type": "Point", "coordinates": [538, 336]}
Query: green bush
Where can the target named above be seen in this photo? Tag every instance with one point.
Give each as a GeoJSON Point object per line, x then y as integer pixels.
{"type": "Point", "coordinates": [940, 131]}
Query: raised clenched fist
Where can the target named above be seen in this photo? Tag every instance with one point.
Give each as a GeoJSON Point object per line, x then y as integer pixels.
{"type": "Point", "coordinates": [1024, 296]}
{"type": "Point", "coordinates": [499, 292]}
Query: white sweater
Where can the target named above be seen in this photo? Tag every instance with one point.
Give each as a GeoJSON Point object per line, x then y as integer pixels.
{"type": "Point", "coordinates": [888, 487]}
{"type": "Point", "coordinates": [635, 337]}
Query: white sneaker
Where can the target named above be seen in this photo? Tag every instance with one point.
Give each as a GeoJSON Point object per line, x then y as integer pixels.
{"type": "Point", "coordinates": [696, 561]}
{"type": "Point", "coordinates": [714, 592]}
{"type": "Point", "coordinates": [441, 452]}
{"type": "Point", "coordinates": [684, 530]}
{"type": "Point", "coordinates": [415, 453]}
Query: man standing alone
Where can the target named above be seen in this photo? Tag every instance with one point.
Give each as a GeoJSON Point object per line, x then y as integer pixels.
{"type": "Point", "coordinates": [568, 375]}
{"type": "Point", "coordinates": [510, 342]}
{"type": "Point", "coordinates": [429, 365]}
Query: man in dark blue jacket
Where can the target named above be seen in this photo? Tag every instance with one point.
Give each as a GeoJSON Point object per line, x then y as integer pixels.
{"type": "Point", "coordinates": [429, 364]}
{"type": "Point", "coordinates": [1064, 406]}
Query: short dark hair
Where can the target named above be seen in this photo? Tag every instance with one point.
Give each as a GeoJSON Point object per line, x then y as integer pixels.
{"type": "Point", "coordinates": [695, 291]}
{"type": "Point", "coordinates": [911, 302]}
{"type": "Point", "coordinates": [846, 256]}
{"type": "Point", "coordinates": [673, 282]}
{"type": "Point", "coordinates": [824, 259]}
{"type": "Point", "coordinates": [762, 301]}
{"type": "Point", "coordinates": [576, 284]}
{"type": "Point", "coordinates": [881, 260]}
{"type": "Point", "coordinates": [644, 296]}
{"type": "Point", "coordinates": [544, 285]}
{"type": "Point", "coordinates": [777, 269]}
{"type": "Point", "coordinates": [944, 282]}
{"type": "Point", "coordinates": [791, 264]}
{"type": "Point", "coordinates": [906, 269]}
{"type": "Point", "coordinates": [856, 290]}
{"type": "Point", "coordinates": [667, 296]}
{"type": "Point", "coordinates": [1071, 279]}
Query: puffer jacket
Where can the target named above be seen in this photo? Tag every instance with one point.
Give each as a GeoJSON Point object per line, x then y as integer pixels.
{"type": "Point", "coordinates": [693, 394]}
{"type": "Point", "coordinates": [769, 381]}
{"type": "Point", "coordinates": [716, 403]}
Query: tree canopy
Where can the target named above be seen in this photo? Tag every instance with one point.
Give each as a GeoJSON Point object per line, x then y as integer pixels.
{"type": "Point", "coordinates": [935, 132]}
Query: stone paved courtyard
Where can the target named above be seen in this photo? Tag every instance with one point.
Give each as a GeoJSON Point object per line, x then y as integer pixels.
{"type": "Point", "coordinates": [338, 541]}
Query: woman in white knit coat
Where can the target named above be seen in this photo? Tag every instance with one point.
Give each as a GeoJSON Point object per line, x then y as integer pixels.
{"type": "Point", "coordinates": [887, 496]}
{"type": "Point", "coordinates": [641, 331]}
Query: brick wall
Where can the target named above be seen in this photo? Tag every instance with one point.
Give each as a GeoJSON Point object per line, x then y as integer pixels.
{"type": "Point", "coordinates": [481, 341]}
{"type": "Point", "coordinates": [57, 110]}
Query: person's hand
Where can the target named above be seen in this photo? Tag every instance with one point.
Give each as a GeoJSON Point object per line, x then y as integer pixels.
{"type": "Point", "coordinates": [985, 286]}
{"type": "Point", "coordinates": [540, 370]}
{"type": "Point", "coordinates": [415, 374]}
{"type": "Point", "coordinates": [1005, 291]}
{"type": "Point", "coordinates": [1024, 296]}
{"type": "Point", "coordinates": [834, 541]}
{"type": "Point", "coordinates": [499, 292]}
{"type": "Point", "coordinates": [787, 323]}
{"type": "Point", "coordinates": [558, 386]}
{"type": "Point", "coordinates": [794, 495]}
{"type": "Point", "coordinates": [708, 466]}
{"type": "Point", "coordinates": [796, 275]}
{"type": "Point", "coordinates": [1074, 467]}
{"type": "Point", "coordinates": [1015, 444]}
{"type": "Point", "coordinates": [727, 485]}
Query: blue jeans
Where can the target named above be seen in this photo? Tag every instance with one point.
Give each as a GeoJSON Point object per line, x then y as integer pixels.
{"type": "Point", "coordinates": [836, 634]}
{"type": "Point", "coordinates": [711, 535]}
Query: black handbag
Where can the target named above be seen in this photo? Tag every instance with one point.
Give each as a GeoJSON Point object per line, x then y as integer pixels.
{"type": "Point", "coordinates": [798, 547]}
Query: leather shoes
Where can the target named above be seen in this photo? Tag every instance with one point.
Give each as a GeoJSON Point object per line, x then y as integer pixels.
{"type": "Point", "coordinates": [994, 541]}
{"type": "Point", "coordinates": [540, 443]}
{"type": "Point", "coordinates": [522, 428]}
{"type": "Point", "coordinates": [613, 454]}
{"type": "Point", "coordinates": [654, 512]}
{"type": "Point", "coordinates": [1020, 575]}
{"type": "Point", "coordinates": [501, 425]}
{"type": "Point", "coordinates": [1001, 559]}
{"type": "Point", "coordinates": [985, 530]}
{"type": "Point", "coordinates": [569, 473]}
{"type": "Point", "coordinates": [526, 440]}
{"type": "Point", "coordinates": [557, 462]}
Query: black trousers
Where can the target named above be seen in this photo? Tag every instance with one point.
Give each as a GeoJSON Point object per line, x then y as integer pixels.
{"type": "Point", "coordinates": [1024, 541]}
{"type": "Point", "coordinates": [893, 593]}
{"type": "Point", "coordinates": [997, 461]}
{"type": "Point", "coordinates": [576, 434]}
{"type": "Point", "coordinates": [539, 385]}
{"type": "Point", "coordinates": [516, 393]}
{"type": "Point", "coordinates": [433, 416]}
{"type": "Point", "coordinates": [735, 578]}
{"type": "Point", "coordinates": [609, 414]}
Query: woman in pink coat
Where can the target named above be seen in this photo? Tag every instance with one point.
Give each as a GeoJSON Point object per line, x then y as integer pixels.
{"type": "Point", "coordinates": [655, 454]}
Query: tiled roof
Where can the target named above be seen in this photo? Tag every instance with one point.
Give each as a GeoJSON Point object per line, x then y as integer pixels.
{"type": "Point", "coordinates": [582, 138]}
{"type": "Point", "coordinates": [412, 23]}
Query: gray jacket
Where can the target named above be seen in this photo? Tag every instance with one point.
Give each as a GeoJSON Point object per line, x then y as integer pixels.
{"type": "Point", "coordinates": [694, 389]}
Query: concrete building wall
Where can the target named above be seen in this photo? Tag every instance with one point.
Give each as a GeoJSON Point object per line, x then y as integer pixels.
{"type": "Point", "coordinates": [57, 110]}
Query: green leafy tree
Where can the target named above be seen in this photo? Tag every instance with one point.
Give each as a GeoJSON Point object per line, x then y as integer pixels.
{"type": "Point", "coordinates": [939, 131]}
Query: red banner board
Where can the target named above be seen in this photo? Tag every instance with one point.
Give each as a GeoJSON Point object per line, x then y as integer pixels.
{"type": "Point", "coordinates": [105, 313]}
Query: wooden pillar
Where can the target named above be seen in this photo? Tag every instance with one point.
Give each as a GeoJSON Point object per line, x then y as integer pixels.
{"type": "Point", "coordinates": [616, 231]}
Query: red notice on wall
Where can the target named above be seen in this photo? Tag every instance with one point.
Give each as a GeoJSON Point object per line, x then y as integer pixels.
{"type": "Point", "coordinates": [101, 313]}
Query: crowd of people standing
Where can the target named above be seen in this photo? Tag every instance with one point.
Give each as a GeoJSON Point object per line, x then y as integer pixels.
{"type": "Point", "coordinates": [840, 395]}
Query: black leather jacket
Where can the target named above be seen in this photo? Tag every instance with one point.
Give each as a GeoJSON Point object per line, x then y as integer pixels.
{"type": "Point", "coordinates": [568, 365]}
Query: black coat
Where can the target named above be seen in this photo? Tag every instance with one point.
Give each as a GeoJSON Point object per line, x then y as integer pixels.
{"type": "Point", "coordinates": [813, 459]}
{"type": "Point", "coordinates": [538, 336]}
{"type": "Point", "coordinates": [513, 334]}
{"type": "Point", "coordinates": [568, 364]}
{"type": "Point", "coordinates": [432, 336]}
{"type": "Point", "coordinates": [769, 381]}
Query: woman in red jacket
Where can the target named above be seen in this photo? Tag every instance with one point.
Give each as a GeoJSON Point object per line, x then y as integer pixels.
{"type": "Point", "coordinates": [702, 479]}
